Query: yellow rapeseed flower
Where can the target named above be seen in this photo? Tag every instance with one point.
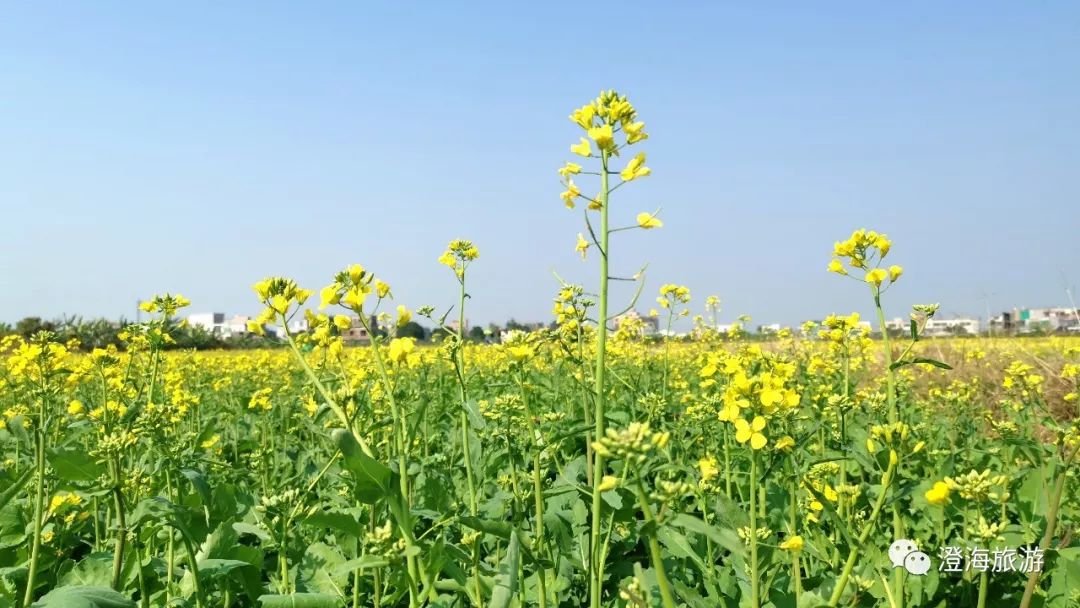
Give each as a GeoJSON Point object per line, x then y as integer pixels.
{"type": "Point", "coordinates": [582, 245]}
{"type": "Point", "coordinates": [582, 149]}
{"type": "Point", "coordinates": [603, 136]}
{"type": "Point", "coordinates": [635, 168]}
{"type": "Point", "coordinates": [751, 431]}
{"type": "Point", "coordinates": [876, 276]}
{"type": "Point", "coordinates": [792, 543]}
{"type": "Point", "coordinates": [939, 494]}
{"type": "Point", "coordinates": [608, 483]}
{"type": "Point", "coordinates": [648, 221]}
{"type": "Point", "coordinates": [707, 467]}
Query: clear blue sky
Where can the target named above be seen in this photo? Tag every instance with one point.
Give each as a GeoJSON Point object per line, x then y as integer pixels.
{"type": "Point", "coordinates": [197, 147]}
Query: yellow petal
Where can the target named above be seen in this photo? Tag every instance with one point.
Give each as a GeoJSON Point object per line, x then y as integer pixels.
{"type": "Point", "coordinates": [758, 441]}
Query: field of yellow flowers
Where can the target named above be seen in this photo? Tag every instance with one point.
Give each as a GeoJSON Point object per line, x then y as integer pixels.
{"type": "Point", "coordinates": [574, 466]}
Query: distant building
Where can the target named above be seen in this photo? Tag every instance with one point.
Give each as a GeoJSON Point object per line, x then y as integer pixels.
{"type": "Point", "coordinates": [767, 330]}
{"type": "Point", "coordinates": [648, 326]}
{"type": "Point", "coordinates": [453, 325]}
{"type": "Point", "coordinates": [357, 333]}
{"type": "Point", "coordinates": [952, 327]}
{"type": "Point", "coordinates": [298, 325]}
{"type": "Point", "coordinates": [938, 328]}
{"type": "Point", "coordinates": [216, 323]}
{"type": "Point", "coordinates": [1031, 320]}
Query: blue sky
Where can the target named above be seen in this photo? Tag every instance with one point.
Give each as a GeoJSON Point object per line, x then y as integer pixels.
{"type": "Point", "coordinates": [198, 147]}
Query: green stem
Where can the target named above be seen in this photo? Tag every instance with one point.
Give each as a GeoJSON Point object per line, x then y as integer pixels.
{"type": "Point", "coordinates": [340, 413]}
{"type": "Point", "coordinates": [654, 547]}
{"type": "Point", "coordinates": [1051, 528]}
{"type": "Point", "coordinates": [894, 416]}
{"type": "Point", "coordinates": [596, 575]}
{"type": "Point", "coordinates": [121, 523]}
{"type": "Point", "coordinates": [984, 586]}
{"type": "Point", "coordinates": [193, 563]}
{"type": "Point", "coordinates": [400, 429]}
{"type": "Point", "coordinates": [863, 536]}
{"type": "Point", "coordinates": [755, 582]}
{"type": "Point", "coordinates": [39, 508]}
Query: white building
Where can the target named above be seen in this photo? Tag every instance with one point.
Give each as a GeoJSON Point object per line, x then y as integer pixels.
{"type": "Point", "coordinates": [211, 322]}
{"type": "Point", "coordinates": [938, 328]}
{"type": "Point", "coordinates": [771, 328]}
{"type": "Point", "coordinates": [952, 327]}
{"type": "Point", "coordinates": [1030, 320]}
{"type": "Point", "coordinates": [216, 323]}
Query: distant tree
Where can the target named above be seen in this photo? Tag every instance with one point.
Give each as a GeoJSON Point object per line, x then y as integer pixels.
{"type": "Point", "coordinates": [32, 325]}
{"type": "Point", "coordinates": [476, 334]}
{"type": "Point", "coordinates": [196, 337]}
{"type": "Point", "coordinates": [512, 324]}
{"type": "Point", "coordinates": [373, 322]}
{"type": "Point", "coordinates": [412, 329]}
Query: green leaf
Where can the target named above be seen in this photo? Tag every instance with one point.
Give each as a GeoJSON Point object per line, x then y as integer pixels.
{"type": "Point", "coordinates": [83, 597]}
{"type": "Point", "coordinates": [16, 486]}
{"type": "Point", "coordinates": [914, 360]}
{"type": "Point", "coordinates": [218, 543]}
{"type": "Point", "coordinates": [93, 571]}
{"type": "Point", "coordinates": [914, 331]}
{"type": "Point", "coordinates": [679, 546]}
{"type": "Point", "coordinates": [16, 428]}
{"type": "Point", "coordinates": [336, 520]}
{"type": "Point", "coordinates": [74, 464]}
{"type": "Point", "coordinates": [725, 537]}
{"type": "Point", "coordinates": [365, 562]}
{"type": "Point", "coordinates": [319, 570]}
{"type": "Point", "coordinates": [214, 567]}
{"type": "Point", "coordinates": [246, 528]}
{"type": "Point", "coordinates": [300, 600]}
{"type": "Point", "coordinates": [373, 479]}
{"type": "Point", "coordinates": [506, 582]}
{"type": "Point", "coordinates": [199, 481]}
{"type": "Point", "coordinates": [476, 419]}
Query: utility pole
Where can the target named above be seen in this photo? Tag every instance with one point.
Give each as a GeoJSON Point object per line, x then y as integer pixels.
{"type": "Point", "coordinates": [1068, 294]}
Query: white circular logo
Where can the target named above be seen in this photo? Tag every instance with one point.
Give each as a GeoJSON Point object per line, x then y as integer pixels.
{"type": "Point", "coordinates": [899, 550]}
{"type": "Point", "coordinates": [917, 563]}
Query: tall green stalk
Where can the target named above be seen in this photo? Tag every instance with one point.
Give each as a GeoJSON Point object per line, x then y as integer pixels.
{"type": "Point", "coordinates": [894, 416]}
{"type": "Point", "coordinates": [597, 576]}
{"type": "Point", "coordinates": [401, 445]}
{"type": "Point", "coordinates": [655, 553]}
{"type": "Point", "coordinates": [463, 393]}
{"type": "Point", "coordinates": [39, 502]}
{"type": "Point", "coordinates": [1051, 526]}
{"type": "Point", "coordinates": [755, 578]}
{"type": "Point", "coordinates": [868, 527]}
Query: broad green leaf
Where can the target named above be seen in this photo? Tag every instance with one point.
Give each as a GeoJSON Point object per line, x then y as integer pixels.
{"type": "Point", "coordinates": [93, 571]}
{"type": "Point", "coordinates": [679, 546]}
{"type": "Point", "coordinates": [16, 486]}
{"type": "Point", "coordinates": [300, 600]}
{"type": "Point", "coordinates": [213, 567]}
{"type": "Point", "coordinates": [198, 480]}
{"type": "Point", "coordinates": [83, 597]}
{"type": "Point", "coordinates": [336, 520]}
{"type": "Point", "coordinates": [913, 361]}
{"type": "Point", "coordinates": [506, 582]}
{"type": "Point", "coordinates": [319, 570]}
{"type": "Point", "coordinates": [74, 464]}
{"type": "Point", "coordinates": [373, 479]}
{"type": "Point", "coordinates": [246, 528]}
{"type": "Point", "coordinates": [723, 537]}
